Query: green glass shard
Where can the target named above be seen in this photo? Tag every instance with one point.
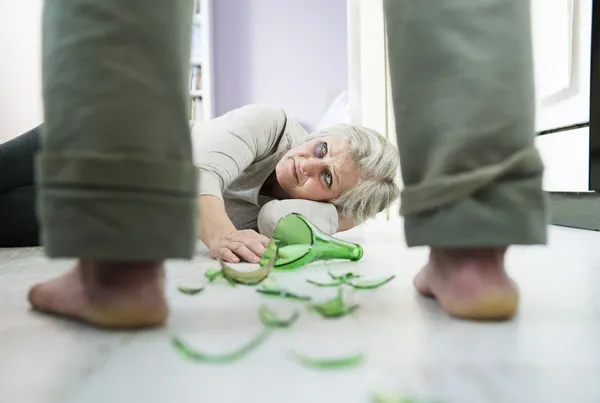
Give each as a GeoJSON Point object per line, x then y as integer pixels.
{"type": "Point", "coordinates": [344, 278]}
{"type": "Point", "coordinates": [379, 397]}
{"type": "Point", "coordinates": [330, 363]}
{"type": "Point", "coordinates": [251, 277]}
{"type": "Point", "coordinates": [190, 291]}
{"type": "Point", "coordinates": [281, 293]}
{"type": "Point", "coordinates": [198, 356]}
{"type": "Point", "coordinates": [291, 255]}
{"type": "Point", "coordinates": [296, 240]}
{"type": "Point", "coordinates": [213, 274]}
{"type": "Point", "coordinates": [331, 284]}
{"type": "Point", "coordinates": [269, 319]}
{"type": "Point", "coordinates": [370, 284]}
{"type": "Point", "coordinates": [335, 308]}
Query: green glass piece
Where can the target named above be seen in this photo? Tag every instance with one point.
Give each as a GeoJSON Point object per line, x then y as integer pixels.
{"type": "Point", "coordinates": [251, 277]}
{"type": "Point", "coordinates": [281, 293]}
{"type": "Point", "coordinates": [370, 284]}
{"type": "Point", "coordinates": [335, 308]}
{"type": "Point", "coordinates": [213, 274]}
{"type": "Point", "coordinates": [379, 397]}
{"type": "Point", "coordinates": [190, 291]}
{"type": "Point", "coordinates": [300, 243]}
{"type": "Point", "coordinates": [198, 356]}
{"type": "Point", "coordinates": [332, 284]}
{"type": "Point", "coordinates": [330, 363]}
{"type": "Point", "coordinates": [269, 319]}
{"type": "Point", "coordinates": [344, 278]}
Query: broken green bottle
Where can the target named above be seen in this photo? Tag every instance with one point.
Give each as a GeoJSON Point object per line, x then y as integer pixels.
{"type": "Point", "coordinates": [301, 243]}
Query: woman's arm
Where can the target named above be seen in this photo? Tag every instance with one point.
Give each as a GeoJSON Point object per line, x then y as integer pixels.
{"type": "Point", "coordinates": [223, 148]}
{"type": "Point", "coordinates": [222, 238]}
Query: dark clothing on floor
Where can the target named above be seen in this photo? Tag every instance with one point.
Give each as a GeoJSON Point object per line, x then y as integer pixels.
{"type": "Point", "coordinates": [18, 221]}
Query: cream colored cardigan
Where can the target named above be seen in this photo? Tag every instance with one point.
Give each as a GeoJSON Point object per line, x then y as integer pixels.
{"type": "Point", "coordinates": [235, 154]}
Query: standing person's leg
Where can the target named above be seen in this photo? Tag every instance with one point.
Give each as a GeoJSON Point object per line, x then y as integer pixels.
{"type": "Point", "coordinates": [18, 221]}
{"type": "Point", "coordinates": [116, 178]}
{"type": "Point", "coordinates": [462, 79]}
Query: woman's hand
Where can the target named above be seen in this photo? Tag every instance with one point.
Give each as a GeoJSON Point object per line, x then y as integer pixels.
{"type": "Point", "coordinates": [221, 237]}
{"type": "Point", "coordinates": [231, 246]}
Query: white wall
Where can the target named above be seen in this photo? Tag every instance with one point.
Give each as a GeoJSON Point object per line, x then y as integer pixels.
{"type": "Point", "coordinates": [562, 50]}
{"type": "Point", "coordinates": [20, 67]}
{"type": "Point", "coordinates": [291, 53]}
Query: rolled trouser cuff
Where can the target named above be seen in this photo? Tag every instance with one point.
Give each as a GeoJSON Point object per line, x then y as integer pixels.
{"type": "Point", "coordinates": [497, 205]}
{"type": "Point", "coordinates": [116, 207]}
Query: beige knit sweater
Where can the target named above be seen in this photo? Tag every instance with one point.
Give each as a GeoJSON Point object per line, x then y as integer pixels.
{"type": "Point", "coordinates": [235, 154]}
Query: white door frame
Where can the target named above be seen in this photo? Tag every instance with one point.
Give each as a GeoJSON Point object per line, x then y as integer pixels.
{"type": "Point", "coordinates": [368, 74]}
{"type": "Point", "coordinates": [367, 64]}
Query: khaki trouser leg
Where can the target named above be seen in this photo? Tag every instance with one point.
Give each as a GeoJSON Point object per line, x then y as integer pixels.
{"type": "Point", "coordinates": [115, 175]}
{"type": "Point", "coordinates": [462, 78]}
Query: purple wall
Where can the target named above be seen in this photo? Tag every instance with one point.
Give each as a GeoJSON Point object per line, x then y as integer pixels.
{"type": "Point", "coordinates": [291, 53]}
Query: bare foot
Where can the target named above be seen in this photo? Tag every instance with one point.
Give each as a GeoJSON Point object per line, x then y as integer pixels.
{"type": "Point", "coordinates": [469, 283]}
{"type": "Point", "coordinates": [108, 295]}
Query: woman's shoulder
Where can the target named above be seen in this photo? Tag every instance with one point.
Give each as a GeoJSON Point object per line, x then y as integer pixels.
{"type": "Point", "coordinates": [271, 110]}
{"type": "Point", "coordinates": [267, 114]}
{"type": "Point", "coordinates": [272, 121]}
{"type": "Point", "coordinates": [275, 114]}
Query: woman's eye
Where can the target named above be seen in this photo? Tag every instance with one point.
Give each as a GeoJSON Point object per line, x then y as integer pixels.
{"type": "Point", "coordinates": [328, 179]}
{"type": "Point", "coordinates": [321, 150]}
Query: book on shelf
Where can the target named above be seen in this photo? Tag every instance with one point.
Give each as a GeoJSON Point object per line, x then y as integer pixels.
{"type": "Point", "coordinates": [196, 79]}
{"type": "Point", "coordinates": [197, 34]}
{"type": "Point", "coordinates": [197, 110]}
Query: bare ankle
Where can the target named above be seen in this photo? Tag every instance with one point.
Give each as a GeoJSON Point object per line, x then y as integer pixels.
{"type": "Point", "coordinates": [102, 273]}
{"type": "Point", "coordinates": [486, 256]}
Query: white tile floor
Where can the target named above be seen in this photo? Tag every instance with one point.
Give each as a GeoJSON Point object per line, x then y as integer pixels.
{"type": "Point", "coordinates": [549, 353]}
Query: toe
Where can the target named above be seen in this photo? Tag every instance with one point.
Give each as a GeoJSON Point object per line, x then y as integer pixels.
{"type": "Point", "coordinates": [34, 296]}
{"type": "Point", "coordinates": [62, 295]}
{"type": "Point", "coordinates": [421, 283]}
{"type": "Point", "coordinates": [45, 297]}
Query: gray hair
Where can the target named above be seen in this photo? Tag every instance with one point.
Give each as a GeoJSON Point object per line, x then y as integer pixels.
{"type": "Point", "coordinates": [377, 161]}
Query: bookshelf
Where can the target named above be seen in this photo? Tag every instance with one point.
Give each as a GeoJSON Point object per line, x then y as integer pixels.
{"type": "Point", "coordinates": [200, 88]}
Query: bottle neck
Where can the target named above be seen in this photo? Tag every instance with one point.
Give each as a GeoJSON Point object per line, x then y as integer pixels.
{"type": "Point", "coordinates": [332, 248]}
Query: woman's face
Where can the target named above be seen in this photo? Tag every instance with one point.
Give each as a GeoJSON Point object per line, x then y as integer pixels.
{"type": "Point", "coordinates": [320, 169]}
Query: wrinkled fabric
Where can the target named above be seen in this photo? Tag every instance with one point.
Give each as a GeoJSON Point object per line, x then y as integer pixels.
{"type": "Point", "coordinates": [463, 100]}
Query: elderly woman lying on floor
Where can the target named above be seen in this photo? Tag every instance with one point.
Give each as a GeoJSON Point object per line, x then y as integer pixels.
{"type": "Point", "coordinates": [255, 165]}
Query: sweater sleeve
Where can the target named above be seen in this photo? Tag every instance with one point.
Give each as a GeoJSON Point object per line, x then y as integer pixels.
{"type": "Point", "coordinates": [323, 215]}
{"type": "Point", "coordinates": [224, 147]}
